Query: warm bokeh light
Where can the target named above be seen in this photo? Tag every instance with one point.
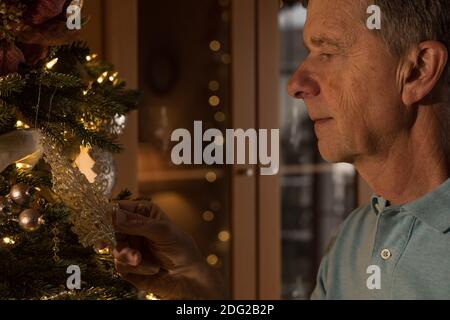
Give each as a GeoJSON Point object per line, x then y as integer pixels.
{"type": "Point", "coordinates": [210, 176]}
{"type": "Point", "coordinates": [215, 45]}
{"type": "Point", "coordinates": [8, 240]}
{"type": "Point", "coordinates": [224, 236]}
{"type": "Point", "coordinates": [219, 116]}
{"type": "Point", "coordinates": [212, 259]}
{"type": "Point", "coordinates": [226, 58]}
{"type": "Point", "coordinates": [208, 216]}
{"type": "Point", "coordinates": [214, 101]}
{"type": "Point", "coordinates": [51, 63]}
{"type": "Point", "coordinates": [214, 85]}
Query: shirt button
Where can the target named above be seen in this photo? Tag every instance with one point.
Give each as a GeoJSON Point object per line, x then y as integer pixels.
{"type": "Point", "coordinates": [385, 254]}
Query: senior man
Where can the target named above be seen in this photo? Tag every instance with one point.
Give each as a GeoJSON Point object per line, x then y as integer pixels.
{"type": "Point", "coordinates": [379, 100]}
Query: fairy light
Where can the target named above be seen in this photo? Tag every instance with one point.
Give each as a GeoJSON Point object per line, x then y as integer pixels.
{"type": "Point", "coordinates": [21, 125]}
{"type": "Point", "coordinates": [214, 101]}
{"type": "Point", "coordinates": [103, 251]}
{"type": "Point", "coordinates": [226, 58]}
{"type": "Point", "coordinates": [212, 259]}
{"type": "Point", "coordinates": [91, 57]}
{"type": "Point", "coordinates": [219, 116]}
{"type": "Point", "coordinates": [210, 176]}
{"type": "Point", "coordinates": [214, 85]}
{"type": "Point", "coordinates": [22, 166]}
{"type": "Point", "coordinates": [151, 296]}
{"type": "Point", "coordinates": [8, 240]}
{"type": "Point", "coordinates": [51, 63]}
{"type": "Point", "coordinates": [224, 236]}
{"type": "Point", "coordinates": [208, 216]}
{"type": "Point", "coordinates": [215, 45]}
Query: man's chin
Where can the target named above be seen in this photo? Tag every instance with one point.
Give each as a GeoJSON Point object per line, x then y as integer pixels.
{"type": "Point", "coordinates": [333, 154]}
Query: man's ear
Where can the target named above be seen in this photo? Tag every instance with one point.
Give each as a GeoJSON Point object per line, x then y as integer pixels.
{"type": "Point", "coordinates": [426, 64]}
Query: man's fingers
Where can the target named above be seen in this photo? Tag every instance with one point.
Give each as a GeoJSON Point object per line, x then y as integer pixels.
{"type": "Point", "coordinates": [127, 255]}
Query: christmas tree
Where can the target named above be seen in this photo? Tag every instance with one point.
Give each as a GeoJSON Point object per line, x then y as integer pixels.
{"type": "Point", "coordinates": [59, 104]}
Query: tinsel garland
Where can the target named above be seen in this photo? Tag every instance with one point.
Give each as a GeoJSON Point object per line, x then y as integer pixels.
{"type": "Point", "coordinates": [91, 209]}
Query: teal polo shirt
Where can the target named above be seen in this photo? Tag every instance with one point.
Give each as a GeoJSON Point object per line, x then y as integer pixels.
{"type": "Point", "coordinates": [390, 252]}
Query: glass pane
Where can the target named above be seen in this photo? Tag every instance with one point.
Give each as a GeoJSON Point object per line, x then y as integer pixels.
{"type": "Point", "coordinates": [315, 196]}
{"type": "Point", "coordinates": [184, 66]}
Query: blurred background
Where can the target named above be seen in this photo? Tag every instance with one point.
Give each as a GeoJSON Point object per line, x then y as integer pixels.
{"type": "Point", "coordinates": [226, 63]}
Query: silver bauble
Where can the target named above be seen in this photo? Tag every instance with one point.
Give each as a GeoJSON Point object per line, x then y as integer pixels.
{"type": "Point", "coordinates": [20, 193]}
{"type": "Point", "coordinates": [29, 220]}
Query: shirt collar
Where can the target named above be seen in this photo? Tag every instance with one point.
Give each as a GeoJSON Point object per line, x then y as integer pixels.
{"type": "Point", "coordinates": [433, 208]}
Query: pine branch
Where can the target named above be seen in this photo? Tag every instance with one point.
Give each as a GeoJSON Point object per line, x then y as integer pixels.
{"type": "Point", "coordinates": [59, 80]}
{"type": "Point", "coordinates": [11, 84]}
{"type": "Point", "coordinates": [7, 117]}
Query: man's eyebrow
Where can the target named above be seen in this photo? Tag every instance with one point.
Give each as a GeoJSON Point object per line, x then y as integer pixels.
{"type": "Point", "coordinates": [321, 41]}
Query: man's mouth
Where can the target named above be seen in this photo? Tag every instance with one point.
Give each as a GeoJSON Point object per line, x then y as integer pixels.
{"type": "Point", "coordinates": [321, 124]}
{"type": "Point", "coordinates": [322, 120]}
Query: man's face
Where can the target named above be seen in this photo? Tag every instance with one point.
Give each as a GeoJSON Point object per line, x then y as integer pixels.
{"type": "Point", "coordinates": [349, 83]}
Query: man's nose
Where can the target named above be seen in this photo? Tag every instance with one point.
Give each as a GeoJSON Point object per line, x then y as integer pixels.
{"type": "Point", "coordinates": [302, 86]}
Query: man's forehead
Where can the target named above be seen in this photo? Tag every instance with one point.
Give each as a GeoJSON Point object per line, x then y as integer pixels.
{"type": "Point", "coordinates": [337, 15]}
{"type": "Point", "coordinates": [333, 21]}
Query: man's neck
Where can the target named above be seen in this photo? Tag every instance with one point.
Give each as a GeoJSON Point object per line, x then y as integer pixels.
{"type": "Point", "coordinates": [415, 163]}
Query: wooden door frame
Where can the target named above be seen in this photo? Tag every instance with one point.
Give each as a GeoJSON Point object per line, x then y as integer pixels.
{"type": "Point", "coordinates": [256, 210]}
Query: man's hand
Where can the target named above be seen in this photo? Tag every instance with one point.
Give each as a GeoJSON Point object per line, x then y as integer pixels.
{"type": "Point", "coordinates": [155, 255]}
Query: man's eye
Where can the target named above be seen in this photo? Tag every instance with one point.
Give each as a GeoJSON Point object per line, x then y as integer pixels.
{"type": "Point", "coordinates": [326, 55]}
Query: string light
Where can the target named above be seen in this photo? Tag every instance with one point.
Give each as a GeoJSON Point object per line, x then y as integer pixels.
{"type": "Point", "coordinates": [51, 63]}
{"type": "Point", "coordinates": [215, 45]}
{"type": "Point", "coordinates": [22, 166]}
{"type": "Point", "coordinates": [103, 251]}
{"type": "Point", "coordinates": [224, 236]}
{"type": "Point", "coordinates": [211, 176]}
{"type": "Point", "coordinates": [219, 116]}
{"type": "Point", "coordinates": [226, 58]}
{"type": "Point", "coordinates": [212, 259]}
{"type": "Point", "coordinates": [91, 57]}
{"type": "Point", "coordinates": [21, 125]}
{"type": "Point", "coordinates": [208, 216]}
{"type": "Point", "coordinates": [151, 296]}
{"type": "Point", "coordinates": [214, 101]}
{"type": "Point", "coordinates": [214, 85]}
{"type": "Point", "coordinates": [8, 240]}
